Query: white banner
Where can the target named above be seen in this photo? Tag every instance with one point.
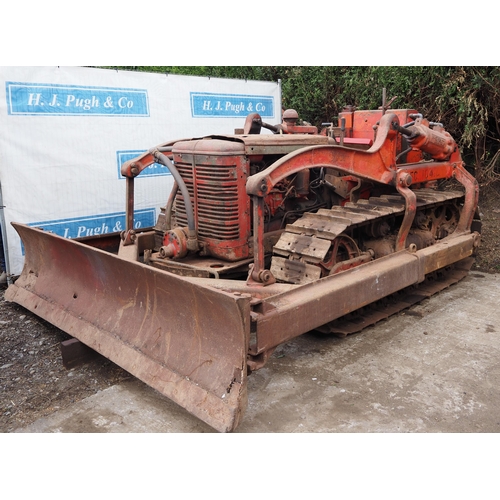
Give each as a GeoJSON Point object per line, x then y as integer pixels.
{"type": "Point", "coordinates": [67, 130]}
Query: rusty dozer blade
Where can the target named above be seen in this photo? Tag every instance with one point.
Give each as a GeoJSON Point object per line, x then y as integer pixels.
{"type": "Point", "coordinates": [187, 341]}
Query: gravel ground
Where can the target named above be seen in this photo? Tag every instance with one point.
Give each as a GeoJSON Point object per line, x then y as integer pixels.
{"type": "Point", "coordinates": [34, 382]}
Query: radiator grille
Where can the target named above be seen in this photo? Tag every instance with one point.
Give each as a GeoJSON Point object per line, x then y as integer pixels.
{"type": "Point", "coordinates": [215, 193]}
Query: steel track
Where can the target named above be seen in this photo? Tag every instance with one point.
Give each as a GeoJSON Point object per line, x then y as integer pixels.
{"type": "Point", "coordinates": [305, 243]}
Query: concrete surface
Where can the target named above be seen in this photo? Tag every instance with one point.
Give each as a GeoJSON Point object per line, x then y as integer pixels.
{"type": "Point", "coordinates": [432, 369]}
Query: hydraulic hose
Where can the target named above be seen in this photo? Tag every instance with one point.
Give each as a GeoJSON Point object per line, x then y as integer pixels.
{"type": "Point", "coordinates": [170, 203]}
{"type": "Point", "coordinates": [164, 160]}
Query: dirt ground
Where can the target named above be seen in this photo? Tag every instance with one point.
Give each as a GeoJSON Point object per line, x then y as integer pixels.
{"type": "Point", "coordinates": [34, 382]}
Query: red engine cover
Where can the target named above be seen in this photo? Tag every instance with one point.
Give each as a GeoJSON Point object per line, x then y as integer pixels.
{"type": "Point", "coordinates": [215, 172]}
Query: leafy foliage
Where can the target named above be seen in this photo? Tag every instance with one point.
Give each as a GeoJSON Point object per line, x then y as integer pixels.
{"type": "Point", "coordinates": [465, 99]}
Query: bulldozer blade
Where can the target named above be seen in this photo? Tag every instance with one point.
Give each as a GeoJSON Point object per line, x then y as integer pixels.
{"type": "Point", "coordinates": [186, 340]}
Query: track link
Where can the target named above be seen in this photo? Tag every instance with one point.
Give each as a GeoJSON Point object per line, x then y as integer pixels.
{"type": "Point", "coordinates": [300, 254]}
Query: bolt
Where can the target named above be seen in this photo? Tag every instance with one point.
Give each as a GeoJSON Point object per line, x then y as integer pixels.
{"type": "Point", "coordinates": [405, 180]}
{"type": "Point", "coordinates": [265, 276]}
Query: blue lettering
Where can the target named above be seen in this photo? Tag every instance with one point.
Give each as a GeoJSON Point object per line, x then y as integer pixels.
{"type": "Point", "coordinates": [97, 225]}
{"type": "Point", "coordinates": [30, 99]}
{"type": "Point", "coordinates": [227, 105]}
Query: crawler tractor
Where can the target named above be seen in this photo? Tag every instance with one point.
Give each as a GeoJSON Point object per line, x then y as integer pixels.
{"type": "Point", "coordinates": [268, 233]}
